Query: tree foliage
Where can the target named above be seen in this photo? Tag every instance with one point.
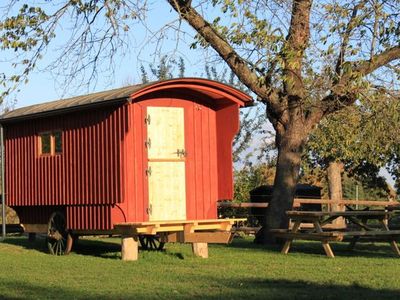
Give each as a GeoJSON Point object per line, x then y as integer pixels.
{"type": "Point", "coordinates": [251, 176]}
{"type": "Point", "coordinates": [360, 135]}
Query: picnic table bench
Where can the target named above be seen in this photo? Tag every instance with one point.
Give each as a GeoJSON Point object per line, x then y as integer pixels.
{"type": "Point", "coordinates": [359, 219]}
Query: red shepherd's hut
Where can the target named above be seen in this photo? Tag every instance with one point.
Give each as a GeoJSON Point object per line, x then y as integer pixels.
{"type": "Point", "coordinates": [151, 152]}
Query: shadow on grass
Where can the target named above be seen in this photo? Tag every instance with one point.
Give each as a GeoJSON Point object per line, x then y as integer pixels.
{"type": "Point", "coordinates": [227, 289]}
{"type": "Point", "coordinates": [96, 247]}
{"type": "Point", "coordinates": [22, 241]}
{"type": "Point", "coordinates": [299, 289]}
{"type": "Point", "coordinates": [248, 243]}
{"type": "Point", "coordinates": [109, 248]}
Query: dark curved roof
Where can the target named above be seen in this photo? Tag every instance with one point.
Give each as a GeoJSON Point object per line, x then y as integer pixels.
{"type": "Point", "coordinates": [120, 95]}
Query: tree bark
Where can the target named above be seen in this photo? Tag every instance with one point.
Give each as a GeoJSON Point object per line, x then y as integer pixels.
{"type": "Point", "coordinates": [290, 145]}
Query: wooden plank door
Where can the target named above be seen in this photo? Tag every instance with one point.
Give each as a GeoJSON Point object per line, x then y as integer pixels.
{"type": "Point", "coordinates": [166, 163]}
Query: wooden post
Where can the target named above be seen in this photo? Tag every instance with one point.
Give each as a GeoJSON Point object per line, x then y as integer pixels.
{"type": "Point", "coordinates": [129, 248]}
{"type": "Point", "coordinates": [335, 191]}
{"type": "Point", "coordinates": [200, 249]}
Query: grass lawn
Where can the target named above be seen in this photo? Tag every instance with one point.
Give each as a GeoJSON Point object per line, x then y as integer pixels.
{"type": "Point", "coordinates": [241, 270]}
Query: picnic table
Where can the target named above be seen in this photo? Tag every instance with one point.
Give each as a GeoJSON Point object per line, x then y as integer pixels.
{"type": "Point", "coordinates": [358, 222]}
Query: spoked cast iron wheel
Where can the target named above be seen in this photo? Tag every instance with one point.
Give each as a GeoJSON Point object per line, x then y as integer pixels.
{"type": "Point", "coordinates": [59, 240]}
{"type": "Point", "coordinates": [151, 242]}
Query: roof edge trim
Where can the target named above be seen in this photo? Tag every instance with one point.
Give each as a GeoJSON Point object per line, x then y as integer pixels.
{"type": "Point", "coordinates": [227, 91]}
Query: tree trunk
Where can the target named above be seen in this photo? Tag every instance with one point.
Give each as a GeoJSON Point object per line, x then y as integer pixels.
{"type": "Point", "coordinates": [335, 189]}
{"type": "Point", "coordinates": [335, 180]}
{"type": "Point", "coordinates": [290, 145]}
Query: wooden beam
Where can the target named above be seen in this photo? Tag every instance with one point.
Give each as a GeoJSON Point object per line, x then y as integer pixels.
{"type": "Point", "coordinates": [35, 228]}
{"type": "Point", "coordinates": [95, 232]}
{"type": "Point", "coordinates": [243, 204]}
{"type": "Point", "coordinates": [209, 237]}
{"type": "Point", "coordinates": [155, 227]}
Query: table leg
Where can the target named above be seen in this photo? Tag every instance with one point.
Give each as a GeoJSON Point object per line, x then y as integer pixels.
{"type": "Point", "coordinates": [328, 249]}
{"type": "Point", "coordinates": [288, 243]}
{"type": "Point", "coordinates": [325, 244]}
{"type": "Point", "coordinates": [392, 242]}
{"type": "Point", "coordinates": [364, 227]}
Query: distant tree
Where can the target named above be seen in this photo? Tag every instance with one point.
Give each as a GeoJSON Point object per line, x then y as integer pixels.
{"type": "Point", "coordinates": [364, 188]}
{"type": "Point", "coordinates": [251, 176]}
{"type": "Point", "coordinates": [166, 68]}
{"type": "Point", "coordinates": [358, 139]}
{"type": "Point", "coordinates": [394, 166]}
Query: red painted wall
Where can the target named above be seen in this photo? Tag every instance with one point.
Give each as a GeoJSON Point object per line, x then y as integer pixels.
{"type": "Point", "coordinates": [89, 170]}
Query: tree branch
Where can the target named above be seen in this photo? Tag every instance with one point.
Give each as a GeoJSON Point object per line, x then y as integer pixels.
{"type": "Point", "coordinates": [222, 47]}
{"type": "Point", "coordinates": [379, 60]}
{"type": "Point", "coordinates": [346, 36]}
{"type": "Point", "coordinates": [295, 46]}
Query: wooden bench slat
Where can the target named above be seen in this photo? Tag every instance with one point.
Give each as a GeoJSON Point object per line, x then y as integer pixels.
{"type": "Point", "coordinates": [372, 233]}
{"type": "Point", "coordinates": [324, 236]}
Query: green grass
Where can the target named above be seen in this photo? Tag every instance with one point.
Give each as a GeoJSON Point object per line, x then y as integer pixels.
{"type": "Point", "coordinates": [240, 270]}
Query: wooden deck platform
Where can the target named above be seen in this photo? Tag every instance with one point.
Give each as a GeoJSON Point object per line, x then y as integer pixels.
{"type": "Point", "coordinates": [155, 227]}
{"type": "Point", "coordinates": [197, 232]}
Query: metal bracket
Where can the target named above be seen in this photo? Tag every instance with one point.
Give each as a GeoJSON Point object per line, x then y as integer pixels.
{"type": "Point", "coordinates": [149, 210]}
{"type": "Point", "coordinates": [147, 143]}
{"type": "Point", "coordinates": [147, 120]}
{"type": "Point", "coordinates": [181, 152]}
{"type": "Point", "coordinates": [148, 171]}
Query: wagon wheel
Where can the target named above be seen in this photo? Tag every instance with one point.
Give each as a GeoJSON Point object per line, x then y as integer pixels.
{"type": "Point", "coordinates": [59, 240]}
{"type": "Point", "coordinates": [151, 242]}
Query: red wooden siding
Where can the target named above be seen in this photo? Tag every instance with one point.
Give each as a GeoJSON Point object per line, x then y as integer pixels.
{"type": "Point", "coordinates": [89, 170]}
{"type": "Point", "coordinates": [85, 217]}
{"type": "Point", "coordinates": [227, 128]}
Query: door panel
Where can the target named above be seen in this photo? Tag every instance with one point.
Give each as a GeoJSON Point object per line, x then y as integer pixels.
{"type": "Point", "coordinates": [166, 163]}
{"type": "Point", "coordinates": [167, 192]}
{"type": "Point", "coordinates": [165, 132]}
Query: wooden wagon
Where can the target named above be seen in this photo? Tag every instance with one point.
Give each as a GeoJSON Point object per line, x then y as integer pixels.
{"type": "Point", "coordinates": [142, 154]}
